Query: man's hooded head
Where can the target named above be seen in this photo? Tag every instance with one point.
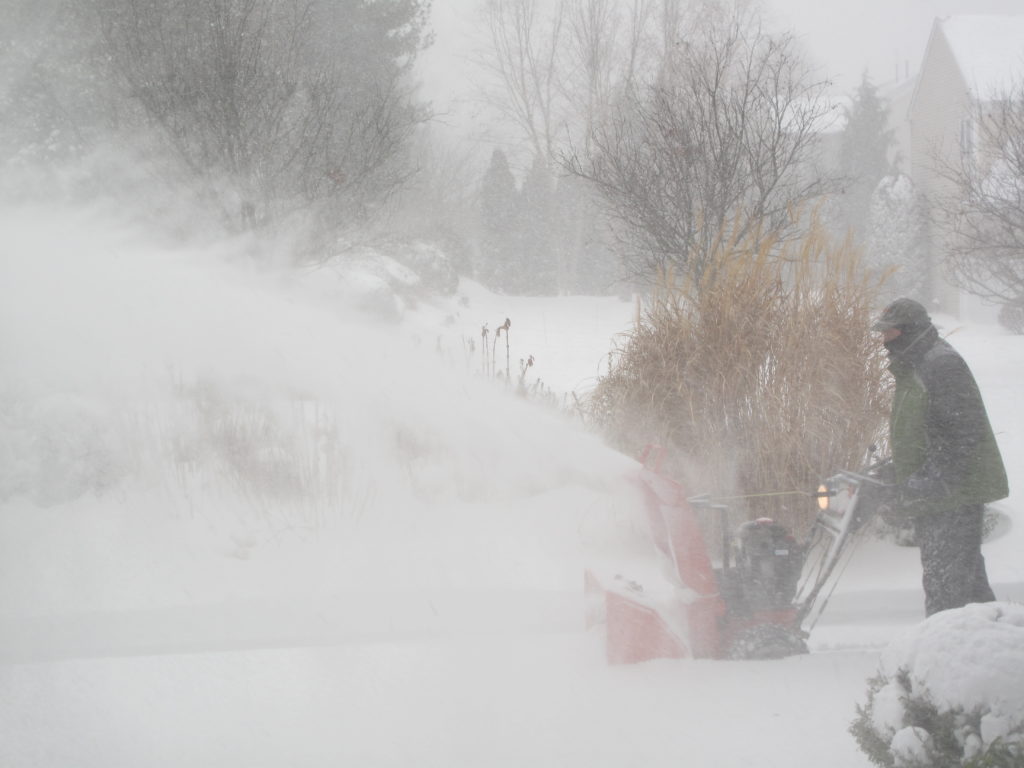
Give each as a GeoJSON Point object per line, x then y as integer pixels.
{"type": "Point", "coordinates": [909, 317]}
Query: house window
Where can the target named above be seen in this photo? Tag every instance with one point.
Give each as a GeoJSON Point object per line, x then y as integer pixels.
{"type": "Point", "coordinates": [967, 136]}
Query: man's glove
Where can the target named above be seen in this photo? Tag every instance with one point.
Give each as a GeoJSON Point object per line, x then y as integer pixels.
{"type": "Point", "coordinates": [891, 507]}
{"type": "Point", "coordinates": [900, 503]}
{"type": "Point", "coordinates": [920, 488]}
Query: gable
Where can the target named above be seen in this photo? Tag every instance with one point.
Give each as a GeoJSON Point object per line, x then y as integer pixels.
{"type": "Point", "coordinates": [989, 50]}
{"type": "Point", "coordinates": [940, 79]}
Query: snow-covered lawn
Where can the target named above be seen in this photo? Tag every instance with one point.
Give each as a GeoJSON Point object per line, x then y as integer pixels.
{"type": "Point", "coordinates": [514, 700]}
{"type": "Point", "coordinates": [241, 525]}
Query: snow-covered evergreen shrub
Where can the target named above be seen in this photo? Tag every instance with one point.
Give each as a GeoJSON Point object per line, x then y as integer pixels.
{"type": "Point", "coordinates": [588, 262]}
{"type": "Point", "coordinates": [498, 198]}
{"type": "Point", "coordinates": [949, 693]}
{"type": "Point", "coordinates": [435, 270]}
{"type": "Point", "coordinates": [896, 238]}
{"type": "Point", "coordinates": [1011, 316]}
{"type": "Point", "coordinates": [535, 269]}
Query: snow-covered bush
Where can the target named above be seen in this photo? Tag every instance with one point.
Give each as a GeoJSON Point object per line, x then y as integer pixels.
{"type": "Point", "coordinates": [896, 238]}
{"type": "Point", "coordinates": [383, 280]}
{"type": "Point", "coordinates": [1011, 316]}
{"type": "Point", "coordinates": [436, 272]}
{"type": "Point", "coordinates": [950, 692]}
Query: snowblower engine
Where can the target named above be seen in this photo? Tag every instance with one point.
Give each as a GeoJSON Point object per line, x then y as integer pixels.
{"type": "Point", "coordinates": [768, 567]}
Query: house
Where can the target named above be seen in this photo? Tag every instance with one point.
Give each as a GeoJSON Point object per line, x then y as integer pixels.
{"type": "Point", "coordinates": [898, 95]}
{"type": "Point", "coordinates": [969, 61]}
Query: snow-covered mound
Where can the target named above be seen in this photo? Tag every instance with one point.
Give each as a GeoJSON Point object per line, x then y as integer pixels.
{"type": "Point", "coordinates": [971, 658]}
{"type": "Point", "coordinates": [952, 684]}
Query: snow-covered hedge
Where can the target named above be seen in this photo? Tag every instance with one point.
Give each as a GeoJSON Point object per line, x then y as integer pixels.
{"type": "Point", "coordinates": [950, 692]}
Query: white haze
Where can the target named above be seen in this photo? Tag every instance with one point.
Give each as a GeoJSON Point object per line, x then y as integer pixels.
{"type": "Point", "coordinates": [160, 384]}
{"type": "Point", "coordinates": [884, 39]}
{"type": "Point", "coordinates": [241, 524]}
{"type": "Point", "coordinates": [244, 523]}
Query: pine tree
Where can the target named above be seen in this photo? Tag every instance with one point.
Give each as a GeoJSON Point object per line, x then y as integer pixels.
{"type": "Point", "coordinates": [588, 262]}
{"type": "Point", "coordinates": [497, 222]}
{"type": "Point", "coordinates": [569, 233]}
{"type": "Point", "coordinates": [535, 270]}
{"type": "Point", "coordinates": [863, 154]}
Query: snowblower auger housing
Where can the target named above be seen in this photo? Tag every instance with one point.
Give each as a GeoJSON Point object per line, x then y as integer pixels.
{"type": "Point", "coordinates": [751, 604]}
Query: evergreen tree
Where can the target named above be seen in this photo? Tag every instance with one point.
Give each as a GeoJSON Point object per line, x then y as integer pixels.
{"type": "Point", "coordinates": [568, 231]}
{"type": "Point", "coordinates": [863, 154]}
{"type": "Point", "coordinates": [497, 222]}
{"type": "Point", "coordinates": [55, 100]}
{"type": "Point", "coordinates": [535, 271]}
{"type": "Point", "coordinates": [896, 237]}
{"type": "Point", "coordinates": [588, 263]}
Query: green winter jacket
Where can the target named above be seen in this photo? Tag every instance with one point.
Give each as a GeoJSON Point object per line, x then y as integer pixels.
{"type": "Point", "coordinates": [942, 444]}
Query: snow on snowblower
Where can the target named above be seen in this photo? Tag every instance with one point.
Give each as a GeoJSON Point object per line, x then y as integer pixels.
{"type": "Point", "coordinates": [755, 601]}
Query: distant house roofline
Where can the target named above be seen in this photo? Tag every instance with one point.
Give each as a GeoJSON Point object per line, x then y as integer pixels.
{"type": "Point", "coordinates": [988, 51]}
{"type": "Point", "coordinates": [936, 30]}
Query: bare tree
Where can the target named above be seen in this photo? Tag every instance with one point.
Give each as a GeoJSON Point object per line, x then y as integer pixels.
{"type": "Point", "coordinates": [609, 47]}
{"type": "Point", "coordinates": [716, 146]}
{"type": "Point", "coordinates": [439, 204]}
{"type": "Point", "coordinates": [276, 105]}
{"type": "Point", "coordinates": [594, 49]}
{"type": "Point", "coordinates": [985, 207]}
{"type": "Point", "coordinates": [525, 45]}
{"type": "Point", "coordinates": [559, 68]}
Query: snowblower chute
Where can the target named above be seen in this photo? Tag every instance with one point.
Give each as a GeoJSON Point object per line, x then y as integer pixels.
{"type": "Point", "coordinates": [753, 603]}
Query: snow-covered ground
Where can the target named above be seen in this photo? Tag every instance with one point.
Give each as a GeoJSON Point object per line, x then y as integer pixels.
{"type": "Point", "coordinates": [242, 525]}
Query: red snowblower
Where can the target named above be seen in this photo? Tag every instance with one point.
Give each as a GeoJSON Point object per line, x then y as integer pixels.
{"type": "Point", "coordinates": [758, 601]}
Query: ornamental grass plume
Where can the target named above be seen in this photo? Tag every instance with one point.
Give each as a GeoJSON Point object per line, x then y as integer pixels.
{"type": "Point", "coordinates": [760, 375]}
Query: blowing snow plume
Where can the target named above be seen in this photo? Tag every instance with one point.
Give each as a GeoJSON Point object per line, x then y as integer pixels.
{"type": "Point", "coordinates": [175, 401]}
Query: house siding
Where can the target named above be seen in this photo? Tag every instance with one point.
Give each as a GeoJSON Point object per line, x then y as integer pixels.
{"type": "Point", "coordinates": [941, 102]}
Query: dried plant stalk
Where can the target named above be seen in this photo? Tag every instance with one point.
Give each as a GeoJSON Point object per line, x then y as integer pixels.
{"type": "Point", "coordinates": [761, 377]}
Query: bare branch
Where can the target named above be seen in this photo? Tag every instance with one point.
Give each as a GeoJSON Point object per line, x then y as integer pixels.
{"type": "Point", "coordinates": [716, 147]}
{"type": "Point", "coordinates": [984, 209]}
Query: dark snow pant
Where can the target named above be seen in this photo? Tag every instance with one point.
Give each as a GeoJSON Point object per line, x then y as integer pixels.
{"type": "Point", "coordinates": [951, 560]}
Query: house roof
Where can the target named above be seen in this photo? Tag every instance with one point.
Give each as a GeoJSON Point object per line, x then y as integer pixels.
{"type": "Point", "coordinates": [989, 51]}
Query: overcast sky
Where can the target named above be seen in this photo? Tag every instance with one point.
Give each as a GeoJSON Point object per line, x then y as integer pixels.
{"type": "Point", "coordinates": [882, 36]}
{"type": "Point", "coordinates": [846, 37]}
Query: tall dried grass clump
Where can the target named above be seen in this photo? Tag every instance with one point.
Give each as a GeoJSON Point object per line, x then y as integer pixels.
{"type": "Point", "coordinates": [760, 376]}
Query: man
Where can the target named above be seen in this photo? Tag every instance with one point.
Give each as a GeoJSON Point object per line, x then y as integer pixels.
{"type": "Point", "coordinates": [945, 458]}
